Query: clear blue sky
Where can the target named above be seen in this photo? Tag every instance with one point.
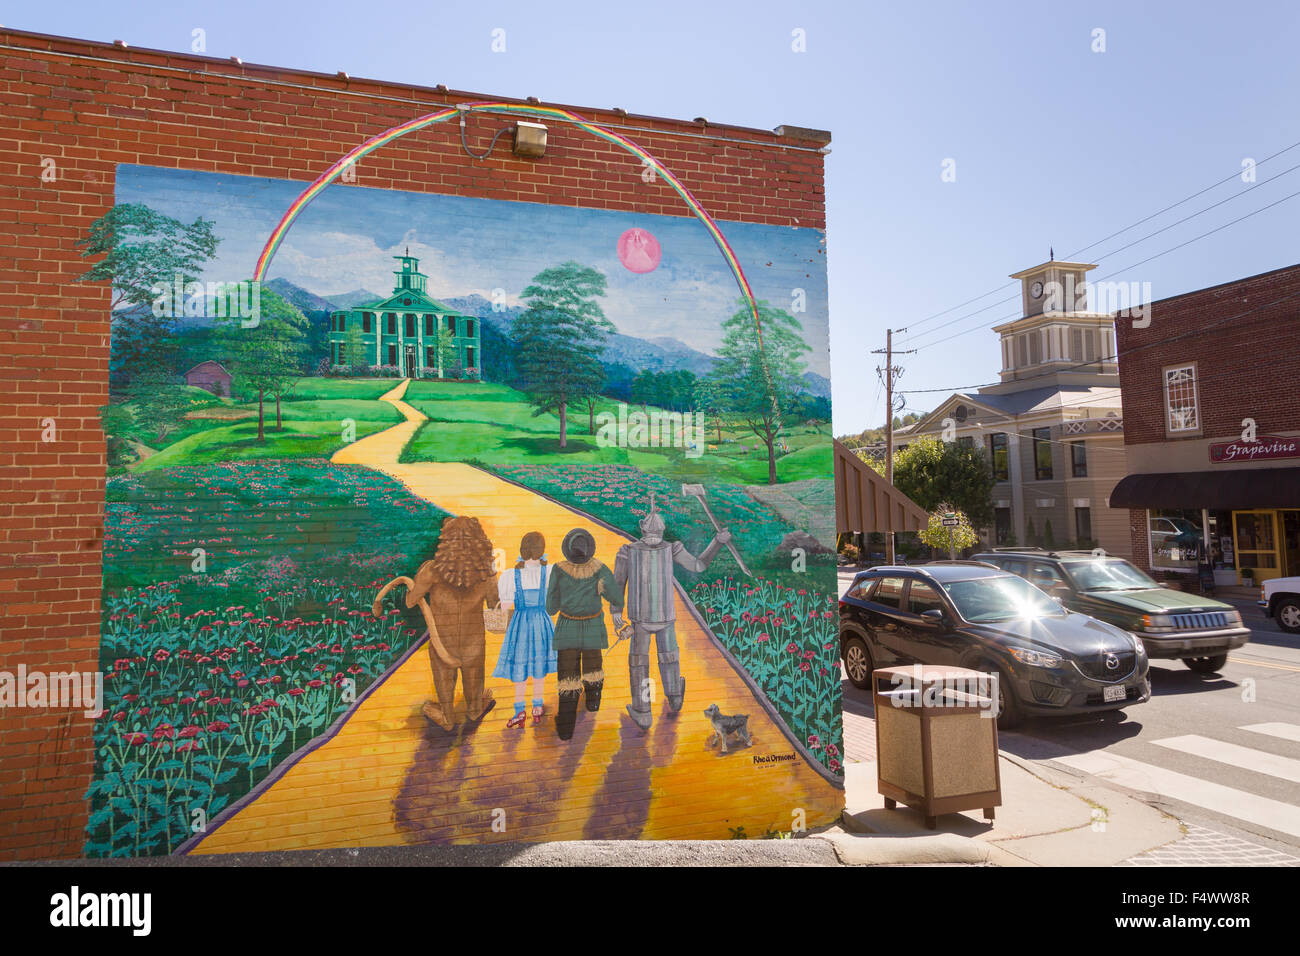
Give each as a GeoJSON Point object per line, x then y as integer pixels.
{"type": "Point", "coordinates": [1054, 144]}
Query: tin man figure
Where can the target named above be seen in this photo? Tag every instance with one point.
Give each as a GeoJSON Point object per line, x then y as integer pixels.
{"type": "Point", "coordinates": [645, 569]}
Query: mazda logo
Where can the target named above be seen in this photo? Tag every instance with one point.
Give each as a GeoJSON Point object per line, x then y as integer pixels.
{"type": "Point", "coordinates": [1112, 662]}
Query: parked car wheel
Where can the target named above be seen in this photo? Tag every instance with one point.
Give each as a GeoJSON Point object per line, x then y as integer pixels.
{"type": "Point", "coordinates": [1009, 712]}
{"type": "Point", "coordinates": [1206, 665]}
{"type": "Point", "coordinates": [857, 662]}
{"type": "Point", "coordinates": [1288, 615]}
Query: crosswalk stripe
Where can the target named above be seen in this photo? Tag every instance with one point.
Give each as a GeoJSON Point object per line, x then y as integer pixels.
{"type": "Point", "coordinates": [1136, 775]}
{"type": "Point", "coordinates": [1276, 729]}
{"type": "Point", "coordinates": [1234, 755]}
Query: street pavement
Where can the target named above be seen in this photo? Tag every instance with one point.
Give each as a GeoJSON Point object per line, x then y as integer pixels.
{"type": "Point", "coordinates": [1220, 753]}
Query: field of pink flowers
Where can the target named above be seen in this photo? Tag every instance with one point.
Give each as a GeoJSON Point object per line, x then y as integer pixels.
{"type": "Point", "coordinates": [213, 677]}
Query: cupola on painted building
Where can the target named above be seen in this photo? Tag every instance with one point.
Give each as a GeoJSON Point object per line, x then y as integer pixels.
{"type": "Point", "coordinates": [410, 330]}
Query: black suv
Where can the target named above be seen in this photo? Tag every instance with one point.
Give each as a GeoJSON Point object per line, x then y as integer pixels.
{"type": "Point", "coordinates": [1172, 624]}
{"type": "Point", "coordinates": [1049, 659]}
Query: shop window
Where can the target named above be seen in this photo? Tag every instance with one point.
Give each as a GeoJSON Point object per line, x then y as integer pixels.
{"type": "Point", "coordinates": [1043, 454]}
{"type": "Point", "coordinates": [1175, 539]}
{"type": "Point", "coordinates": [1222, 550]}
{"type": "Point", "coordinates": [966, 441]}
{"type": "Point", "coordinates": [1181, 412]}
{"type": "Point", "coordinates": [998, 455]}
{"type": "Point", "coordinates": [1078, 459]}
{"type": "Point", "coordinates": [1001, 524]}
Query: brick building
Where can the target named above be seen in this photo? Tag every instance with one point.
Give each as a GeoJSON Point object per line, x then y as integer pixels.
{"type": "Point", "coordinates": [1212, 429]}
{"type": "Point", "coordinates": [74, 113]}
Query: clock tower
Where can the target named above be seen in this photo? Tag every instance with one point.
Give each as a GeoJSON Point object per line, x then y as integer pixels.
{"type": "Point", "coordinates": [1058, 340]}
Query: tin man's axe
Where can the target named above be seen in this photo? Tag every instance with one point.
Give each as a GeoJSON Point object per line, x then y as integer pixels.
{"type": "Point", "coordinates": [697, 492]}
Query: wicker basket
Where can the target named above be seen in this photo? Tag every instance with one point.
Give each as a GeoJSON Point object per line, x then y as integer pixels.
{"type": "Point", "coordinates": [495, 619]}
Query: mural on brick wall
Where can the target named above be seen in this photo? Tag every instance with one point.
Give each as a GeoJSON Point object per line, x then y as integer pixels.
{"type": "Point", "coordinates": [479, 520]}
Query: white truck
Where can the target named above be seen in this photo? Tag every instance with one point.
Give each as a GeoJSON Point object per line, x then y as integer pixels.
{"type": "Point", "coordinates": [1280, 600]}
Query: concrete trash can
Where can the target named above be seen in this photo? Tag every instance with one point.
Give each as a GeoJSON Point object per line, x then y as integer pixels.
{"type": "Point", "coordinates": [937, 739]}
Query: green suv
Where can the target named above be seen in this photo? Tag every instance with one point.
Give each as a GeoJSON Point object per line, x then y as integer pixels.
{"type": "Point", "coordinates": [1170, 624]}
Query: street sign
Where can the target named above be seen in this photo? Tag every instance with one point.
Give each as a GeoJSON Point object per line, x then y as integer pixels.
{"type": "Point", "coordinates": [950, 521]}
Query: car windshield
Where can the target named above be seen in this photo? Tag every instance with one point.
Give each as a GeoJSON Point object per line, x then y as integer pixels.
{"type": "Point", "coordinates": [1003, 597]}
{"type": "Point", "coordinates": [1109, 575]}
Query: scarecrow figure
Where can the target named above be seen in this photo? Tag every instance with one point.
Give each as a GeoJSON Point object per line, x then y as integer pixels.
{"type": "Point", "coordinates": [574, 594]}
{"type": "Point", "coordinates": [645, 569]}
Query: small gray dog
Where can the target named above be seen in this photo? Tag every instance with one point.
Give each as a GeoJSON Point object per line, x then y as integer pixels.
{"type": "Point", "coordinates": [723, 727]}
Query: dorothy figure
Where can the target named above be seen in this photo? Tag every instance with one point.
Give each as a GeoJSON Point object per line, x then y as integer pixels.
{"type": "Point", "coordinates": [528, 651]}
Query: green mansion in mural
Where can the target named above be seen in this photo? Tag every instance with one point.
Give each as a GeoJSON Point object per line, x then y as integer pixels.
{"type": "Point", "coordinates": [410, 330]}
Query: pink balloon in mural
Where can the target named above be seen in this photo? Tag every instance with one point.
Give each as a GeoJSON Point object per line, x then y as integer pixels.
{"type": "Point", "coordinates": [638, 250]}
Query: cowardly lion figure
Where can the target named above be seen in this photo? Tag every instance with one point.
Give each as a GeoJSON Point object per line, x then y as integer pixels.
{"type": "Point", "coordinates": [459, 582]}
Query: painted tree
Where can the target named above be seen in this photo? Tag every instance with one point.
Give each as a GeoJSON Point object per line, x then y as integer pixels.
{"type": "Point", "coordinates": [354, 347]}
{"type": "Point", "coordinates": [444, 348]}
{"type": "Point", "coordinates": [268, 358]}
{"type": "Point", "coordinates": [143, 250]}
{"type": "Point", "coordinates": [708, 400]}
{"type": "Point", "coordinates": [158, 402]}
{"type": "Point", "coordinates": [755, 383]}
{"type": "Point", "coordinates": [933, 472]}
{"type": "Point", "coordinates": [560, 337]}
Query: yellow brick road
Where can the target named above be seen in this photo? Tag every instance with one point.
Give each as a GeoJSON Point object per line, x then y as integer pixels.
{"type": "Point", "coordinates": [388, 778]}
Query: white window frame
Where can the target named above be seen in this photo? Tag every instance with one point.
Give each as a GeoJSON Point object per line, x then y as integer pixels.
{"type": "Point", "coordinates": [1170, 427]}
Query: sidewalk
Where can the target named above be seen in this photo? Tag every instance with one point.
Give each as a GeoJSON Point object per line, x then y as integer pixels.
{"type": "Point", "coordinates": [1047, 818]}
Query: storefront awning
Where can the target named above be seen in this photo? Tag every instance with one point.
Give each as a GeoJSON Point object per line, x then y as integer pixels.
{"type": "Point", "coordinates": [1227, 490]}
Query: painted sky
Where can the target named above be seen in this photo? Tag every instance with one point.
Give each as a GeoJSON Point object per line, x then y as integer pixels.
{"type": "Point", "coordinates": [1055, 145]}
{"type": "Point", "coordinates": [346, 240]}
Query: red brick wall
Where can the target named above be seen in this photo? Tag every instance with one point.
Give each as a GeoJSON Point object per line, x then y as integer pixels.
{"type": "Point", "coordinates": [1235, 332]}
{"type": "Point", "coordinates": [89, 107]}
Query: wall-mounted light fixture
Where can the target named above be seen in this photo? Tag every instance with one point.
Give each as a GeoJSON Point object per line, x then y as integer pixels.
{"type": "Point", "coordinates": [530, 140]}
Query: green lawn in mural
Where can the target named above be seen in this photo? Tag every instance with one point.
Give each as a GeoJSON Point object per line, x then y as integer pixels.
{"type": "Point", "coordinates": [493, 424]}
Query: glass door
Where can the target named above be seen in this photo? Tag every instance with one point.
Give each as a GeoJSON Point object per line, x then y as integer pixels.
{"type": "Point", "coordinates": [1257, 544]}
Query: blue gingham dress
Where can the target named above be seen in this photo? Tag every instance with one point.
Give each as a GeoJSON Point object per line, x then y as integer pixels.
{"type": "Point", "coordinates": [529, 646]}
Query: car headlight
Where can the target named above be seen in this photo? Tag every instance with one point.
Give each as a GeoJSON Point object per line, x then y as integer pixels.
{"type": "Point", "coordinates": [1157, 622]}
{"type": "Point", "coordinates": [1035, 658]}
{"type": "Point", "coordinates": [1234, 618]}
{"type": "Point", "coordinates": [1141, 648]}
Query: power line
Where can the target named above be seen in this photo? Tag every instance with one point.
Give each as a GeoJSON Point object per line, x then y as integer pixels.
{"type": "Point", "coordinates": [1236, 317]}
{"type": "Point", "coordinates": [1131, 265]}
{"type": "Point", "coordinates": [1120, 232]}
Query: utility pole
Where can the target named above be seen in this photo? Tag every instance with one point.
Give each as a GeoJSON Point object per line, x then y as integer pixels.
{"type": "Point", "coordinates": [890, 373]}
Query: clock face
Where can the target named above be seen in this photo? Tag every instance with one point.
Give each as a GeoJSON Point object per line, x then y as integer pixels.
{"type": "Point", "coordinates": [1036, 290]}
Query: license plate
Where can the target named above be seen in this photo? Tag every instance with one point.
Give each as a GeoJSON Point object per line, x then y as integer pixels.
{"type": "Point", "coordinates": [1113, 693]}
